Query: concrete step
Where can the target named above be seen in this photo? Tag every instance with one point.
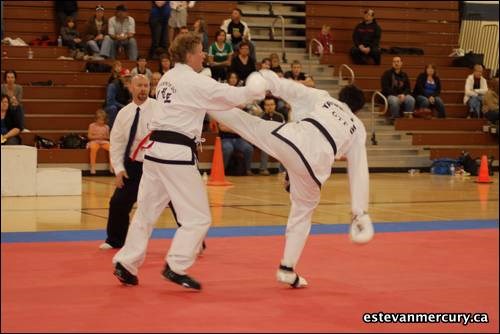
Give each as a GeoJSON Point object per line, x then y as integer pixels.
{"type": "Point", "coordinates": [398, 161]}
{"type": "Point", "coordinates": [275, 46]}
{"type": "Point", "coordinates": [261, 21]}
{"type": "Point", "coordinates": [277, 11]}
{"type": "Point", "coordinates": [277, 37]}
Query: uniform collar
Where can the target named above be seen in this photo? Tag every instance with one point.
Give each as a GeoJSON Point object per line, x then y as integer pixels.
{"type": "Point", "coordinates": [142, 106]}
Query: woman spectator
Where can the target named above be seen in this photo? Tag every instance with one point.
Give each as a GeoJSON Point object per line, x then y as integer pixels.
{"type": "Point", "coordinates": [275, 64]}
{"type": "Point", "coordinates": [165, 63]}
{"type": "Point", "coordinates": [96, 35]}
{"type": "Point", "coordinates": [243, 64]}
{"type": "Point", "coordinates": [12, 123]}
{"type": "Point", "coordinates": [427, 91]}
{"type": "Point", "coordinates": [115, 71]}
{"type": "Point", "coordinates": [142, 68]}
{"type": "Point", "coordinates": [200, 28]}
{"type": "Point", "coordinates": [155, 78]}
{"type": "Point", "coordinates": [98, 135]}
{"type": "Point", "coordinates": [71, 37]}
{"type": "Point", "coordinates": [10, 88]}
{"type": "Point", "coordinates": [220, 56]}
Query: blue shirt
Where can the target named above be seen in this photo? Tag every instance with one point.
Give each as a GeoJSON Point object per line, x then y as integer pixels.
{"type": "Point", "coordinates": [430, 88]}
{"type": "Point", "coordinates": [160, 11]}
{"type": "Point", "coordinates": [4, 127]}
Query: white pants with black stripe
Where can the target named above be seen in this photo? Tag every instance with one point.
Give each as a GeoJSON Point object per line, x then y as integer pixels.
{"type": "Point", "coordinates": [307, 157]}
{"type": "Point", "coordinates": [161, 183]}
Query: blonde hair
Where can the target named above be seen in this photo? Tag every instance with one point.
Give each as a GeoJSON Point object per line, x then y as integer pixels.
{"type": "Point", "coordinates": [182, 45]}
{"type": "Point", "coordinates": [101, 114]}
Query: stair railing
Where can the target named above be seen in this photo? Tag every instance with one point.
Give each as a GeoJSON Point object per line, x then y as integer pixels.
{"type": "Point", "coordinates": [386, 106]}
{"type": "Point", "coordinates": [282, 19]}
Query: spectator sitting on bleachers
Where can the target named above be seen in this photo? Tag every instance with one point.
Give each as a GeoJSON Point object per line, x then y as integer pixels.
{"type": "Point", "coordinates": [490, 102]}
{"type": "Point", "coordinates": [200, 28]}
{"type": "Point", "coordinates": [275, 64]}
{"type": "Point", "coordinates": [71, 37]}
{"type": "Point", "coordinates": [165, 63]}
{"type": "Point", "coordinates": [178, 17]}
{"type": "Point", "coordinates": [270, 114]}
{"type": "Point", "coordinates": [155, 78]}
{"type": "Point", "coordinates": [63, 10]}
{"type": "Point", "coordinates": [326, 40]}
{"type": "Point", "coordinates": [158, 24]}
{"type": "Point", "coordinates": [12, 123]}
{"type": "Point", "coordinates": [117, 95]}
{"type": "Point", "coordinates": [366, 38]}
{"type": "Point", "coordinates": [427, 91]}
{"type": "Point", "coordinates": [243, 64]}
{"type": "Point", "coordinates": [98, 134]}
{"type": "Point", "coordinates": [220, 55]}
{"type": "Point", "coordinates": [238, 31]}
{"type": "Point", "coordinates": [142, 68]}
{"type": "Point", "coordinates": [115, 71]}
{"type": "Point", "coordinates": [265, 64]}
{"type": "Point", "coordinates": [233, 79]}
{"type": "Point", "coordinates": [296, 74]}
{"type": "Point", "coordinates": [233, 142]}
{"type": "Point", "coordinates": [183, 30]}
{"type": "Point", "coordinates": [96, 35]}
{"type": "Point", "coordinates": [10, 88]}
{"type": "Point", "coordinates": [475, 88]}
{"type": "Point", "coordinates": [396, 88]}
{"type": "Point", "coordinates": [121, 29]}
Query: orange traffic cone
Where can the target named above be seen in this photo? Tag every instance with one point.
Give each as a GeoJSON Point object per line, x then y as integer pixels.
{"type": "Point", "coordinates": [483, 190]}
{"type": "Point", "coordinates": [484, 175]}
{"type": "Point", "coordinates": [217, 177]}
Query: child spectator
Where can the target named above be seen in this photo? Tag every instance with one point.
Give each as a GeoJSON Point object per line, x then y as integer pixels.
{"type": "Point", "coordinates": [296, 74]}
{"type": "Point", "coordinates": [71, 36]}
{"type": "Point", "coordinates": [165, 63]}
{"type": "Point", "coordinates": [326, 40]}
{"type": "Point", "coordinates": [115, 71]}
{"type": "Point", "coordinates": [98, 135]}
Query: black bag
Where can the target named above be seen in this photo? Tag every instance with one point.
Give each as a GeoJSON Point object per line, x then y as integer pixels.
{"type": "Point", "coordinates": [469, 165]}
{"type": "Point", "coordinates": [41, 142]}
{"type": "Point", "coordinates": [47, 83]}
{"type": "Point", "coordinates": [469, 60]}
{"type": "Point", "coordinates": [98, 68]}
{"type": "Point", "coordinates": [73, 140]}
{"type": "Point", "coordinates": [236, 165]}
{"type": "Point", "coordinates": [405, 51]}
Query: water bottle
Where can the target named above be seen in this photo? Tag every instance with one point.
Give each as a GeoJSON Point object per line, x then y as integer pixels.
{"type": "Point", "coordinates": [59, 41]}
{"type": "Point", "coordinates": [30, 53]}
{"type": "Point", "coordinates": [452, 170]}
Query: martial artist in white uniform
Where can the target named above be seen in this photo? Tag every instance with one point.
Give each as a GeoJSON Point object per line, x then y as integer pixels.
{"type": "Point", "coordinates": [170, 170]}
{"type": "Point", "coordinates": [324, 129]}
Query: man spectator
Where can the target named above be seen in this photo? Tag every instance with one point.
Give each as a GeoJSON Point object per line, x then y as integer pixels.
{"type": "Point", "coordinates": [475, 88]}
{"type": "Point", "coordinates": [366, 38]}
{"type": "Point", "coordinates": [121, 29]}
{"type": "Point", "coordinates": [243, 64]}
{"type": "Point", "coordinates": [269, 114]}
{"type": "Point", "coordinates": [237, 31]}
{"type": "Point", "coordinates": [396, 88]}
{"type": "Point", "coordinates": [296, 74]}
{"type": "Point", "coordinates": [158, 24]}
{"type": "Point", "coordinates": [142, 68]}
{"type": "Point", "coordinates": [96, 35]}
{"type": "Point", "coordinates": [117, 95]}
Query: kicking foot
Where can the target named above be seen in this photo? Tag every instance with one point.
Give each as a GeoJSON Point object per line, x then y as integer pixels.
{"type": "Point", "coordinates": [288, 276]}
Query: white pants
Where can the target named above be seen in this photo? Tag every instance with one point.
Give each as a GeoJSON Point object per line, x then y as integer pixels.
{"type": "Point", "coordinates": [161, 183]}
{"type": "Point", "coordinates": [304, 191]}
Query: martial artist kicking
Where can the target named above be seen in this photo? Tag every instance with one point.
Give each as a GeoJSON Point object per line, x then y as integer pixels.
{"type": "Point", "coordinates": [169, 170]}
{"type": "Point", "coordinates": [325, 129]}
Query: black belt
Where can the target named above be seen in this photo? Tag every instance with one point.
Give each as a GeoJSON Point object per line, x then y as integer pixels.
{"type": "Point", "coordinates": [325, 133]}
{"type": "Point", "coordinates": [171, 137]}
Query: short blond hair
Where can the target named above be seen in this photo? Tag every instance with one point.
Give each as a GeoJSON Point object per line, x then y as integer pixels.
{"type": "Point", "coordinates": [100, 113]}
{"type": "Point", "coordinates": [182, 45]}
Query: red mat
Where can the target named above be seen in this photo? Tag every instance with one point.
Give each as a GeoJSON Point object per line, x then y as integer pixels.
{"type": "Point", "coordinates": [69, 286]}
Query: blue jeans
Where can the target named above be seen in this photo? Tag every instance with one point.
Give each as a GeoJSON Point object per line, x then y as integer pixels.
{"type": "Point", "coordinates": [129, 44]}
{"type": "Point", "coordinates": [423, 102]}
{"type": "Point", "coordinates": [112, 111]}
{"type": "Point", "coordinates": [229, 145]}
{"type": "Point", "coordinates": [475, 104]}
{"type": "Point", "coordinates": [102, 47]}
{"type": "Point", "coordinates": [395, 105]}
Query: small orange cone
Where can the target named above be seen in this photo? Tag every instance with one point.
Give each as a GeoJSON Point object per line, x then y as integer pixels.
{"type": "Point", "coordinates": [217, 177]}
{"type": "Point", "coordinates": [484, 175]}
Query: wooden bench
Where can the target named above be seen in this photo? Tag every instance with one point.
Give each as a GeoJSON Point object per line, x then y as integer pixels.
{"type": "Point", "coordinates": [463, 138]}
{"type": "Point", "coordinates": [416, 124]}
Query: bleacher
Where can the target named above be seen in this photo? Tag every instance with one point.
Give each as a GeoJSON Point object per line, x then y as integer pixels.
{"type": "Point", "coordinates": [432, 26]}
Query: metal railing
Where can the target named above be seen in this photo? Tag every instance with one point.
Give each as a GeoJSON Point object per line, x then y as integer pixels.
{"type": "Point", "coordinates": [351, 72]}
{"type": "Point", "coordinates": [283, 52]}
{"type": "Point", "coordinates": [314, 40]}
{"type": "Point", "coordinates": [386, 106]}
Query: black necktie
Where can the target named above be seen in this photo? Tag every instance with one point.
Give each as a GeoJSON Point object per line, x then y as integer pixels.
{"type": "Point", "coordinates": [133, 130]}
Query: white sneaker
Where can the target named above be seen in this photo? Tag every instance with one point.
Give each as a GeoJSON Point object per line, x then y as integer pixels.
{"type": "Point", "coordinates": [291, 278]}
{"type": "Point", "coordinates": [105, 246]}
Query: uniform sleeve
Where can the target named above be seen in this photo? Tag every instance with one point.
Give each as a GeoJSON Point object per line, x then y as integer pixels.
{"type": "Point", "coordinates": [118, 142]}
{"type": "Point", "coordinates": [357, 168]}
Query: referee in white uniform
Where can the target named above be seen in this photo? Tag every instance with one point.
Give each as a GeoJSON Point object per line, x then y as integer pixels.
{"type": "Point", "coordinates": [324, 129]}
{"type": "Point", "coordinates": [170, 170]}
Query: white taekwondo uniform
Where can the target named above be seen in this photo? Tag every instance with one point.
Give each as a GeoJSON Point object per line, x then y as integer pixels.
{"type": "Point", "coordinates": [325, 129]}
{"type": "Point", "coordinates": [170, 170]}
